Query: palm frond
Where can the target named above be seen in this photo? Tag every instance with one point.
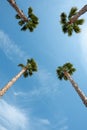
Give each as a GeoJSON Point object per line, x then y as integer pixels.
{"type": "Point", "coordinates": [79, 21]}
{"type": "Point", "coordinates": [21, 22]}
{"type": "Point", "coordinates": [73, 69]}
{"type": "Point", "coordinates": [64, 28]}
{"type": "Point", "coordinates": [30, 72]}
{"type": "Point", "coordinates": [24, 28]}
{"type": "Point", "coordinates": [65, 78]}
{"type": "Point", "coordinates": [17, 16]}
{"type": "Point", "coordinates": [63, 17]}
{"type": "Point", "coordinates": [21, 65]}
{"type": "Point", "coordinates": [31, 29]}
{"type": "Point", "coordinates": [70, 30]}
{"type": "Point", "coordinates": [76, 28]}
{"type": "Point", "coordinates": [30, 10]}
{"type": "Point", "coordinates": [60, 73]}
{"type": "Point", "coordinates": [72, 12]}
{"type": "Point", "coordinates": [25, 74]}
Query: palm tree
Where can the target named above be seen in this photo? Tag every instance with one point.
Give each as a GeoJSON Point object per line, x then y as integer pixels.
{"type": "Point", "coordinates": [71, 22]}
{"type": "Point", "coordinates": [65, 72]}
{"type": "Point", "coordinates": [30, 22]}
{"type": "Point", "coordinates": [26, 71]}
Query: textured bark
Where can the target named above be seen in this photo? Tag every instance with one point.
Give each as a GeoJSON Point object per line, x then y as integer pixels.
{"type": "Point", "coordinates": [11, 82]}
{"type": "Point", "coordinates": [20, 13]}
{"type": "Point", "coordinates": [78, 90]}
{"type": "Point", "coordinates": [81, 12]}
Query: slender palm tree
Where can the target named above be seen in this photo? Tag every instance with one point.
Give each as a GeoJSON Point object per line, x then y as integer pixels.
{"type": "Point", "coordinates": [26, 22]}
{"type": "Point", "coordinates": [65, 72]}
{"type": "Point", "coordinates": [71, 22]}
{"type": "Point", "coordinates": [26, 71]}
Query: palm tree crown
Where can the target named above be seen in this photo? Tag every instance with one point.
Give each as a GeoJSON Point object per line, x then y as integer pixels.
{"type": "Point", "coordinates": [68, 67]}
{"type": "Point", "coordinates": [31, 67]}
{"type": "Point", "coordinates": [30, 23]}
{"type": "Point", "coordinates": [67, 25]}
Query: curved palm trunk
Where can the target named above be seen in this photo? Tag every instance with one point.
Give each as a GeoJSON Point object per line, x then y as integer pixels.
{"type": "Point", "coordinates": [82, 11]}
{"type": "Point", "coordinates": [78, 90]}
{"type": "Point", "coordinates": [20, 13]}
{"type": "Point", "coordinates": [11, 82]}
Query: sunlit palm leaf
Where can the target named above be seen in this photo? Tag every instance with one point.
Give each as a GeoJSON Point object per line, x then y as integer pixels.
{"type": "Point", "coordinates": [70, 30]}
{"type": "Point", "coordinates": [79, 21]}
{"type": "Point", "coordinates": [76, 28]}
{"type": "Point", "coordinates": [72, 12]}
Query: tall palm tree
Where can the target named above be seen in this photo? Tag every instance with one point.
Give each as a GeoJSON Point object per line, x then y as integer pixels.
{"type": "Point", "coordinates": [30, 22]}
{"type": "Point", "coordinates": [71, 22]}
{"type": "Point", "coordinates": [26, 71]}
{"type": "Point", "coordinates": [65, 72]}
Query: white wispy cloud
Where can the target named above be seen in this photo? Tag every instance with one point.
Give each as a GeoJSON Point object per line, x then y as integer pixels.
{"type": "Point", "coordinates": [44, 121]}
{"type": "Point", "coordinates": [10, 48]}
{"type": "Point", "coordinates": [2, 128]}
{"type": "Point", "coordinates": [11, 118]}
{"type": "Point", "coordinates": [19, 93]}
{"type": "Point", "coordinates": [83, 45]}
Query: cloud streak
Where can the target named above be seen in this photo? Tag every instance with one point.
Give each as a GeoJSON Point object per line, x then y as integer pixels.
{"type": "Point", "coordinates": [10, 49]}
{"type": "Point", "coordinates": [83, 45]}
{"type": "Point", "coordinates": [44, 121]}
{"type": "Point", "coordinates": [11, 118]}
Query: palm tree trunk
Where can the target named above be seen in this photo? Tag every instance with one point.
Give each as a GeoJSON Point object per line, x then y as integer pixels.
{"type": "Point", "coordinates": [82, 11]}
{"type": "Point", "coordinates": [11, 82]}
{"type": "Point", "coordinates": [78, 90]}
{"type": "Point", "coordinates": [20, 13]}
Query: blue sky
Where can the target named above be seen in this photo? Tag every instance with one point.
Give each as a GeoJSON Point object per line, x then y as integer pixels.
{"type": "Point", "coordinates": [42, 102]}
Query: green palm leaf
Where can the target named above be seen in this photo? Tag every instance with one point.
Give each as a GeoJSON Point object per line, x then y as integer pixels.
{"type": "Point", "coordinates": [30, 10]}
{"type": "Point", "coordinates": [63, 18]}
{"type": "Point", "coordinates": [25, 74]}
{"type": "Point", "coordinates": [64, 28]}
{"type": "Point", "coordinates": [21, 65]}
{"type": "Point", "coordinates": [72, 12]}
{"type": "Point", "coordinates": [21, 22]}
{"type": "Point", "coordinates": [76, 28]}
{"type": "Point", "coordinates": [70, 30]}
{"type": "Point", "coordinates": [17, 16]}
{"type": "Point", "coordinates": [79, 21]}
